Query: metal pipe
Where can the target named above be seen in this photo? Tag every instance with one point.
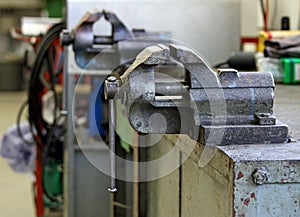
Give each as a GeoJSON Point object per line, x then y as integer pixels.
{"type": "Point", "coordinates": [103, 40]}
{"type": "Point", "coordinates": [112, 143]}
{"type": "Point", "coordinates": [169, 89]}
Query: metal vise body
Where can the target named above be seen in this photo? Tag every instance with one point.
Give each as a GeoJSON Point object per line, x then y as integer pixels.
{"type": "Point", "coordinates": [86, 45]}
{"type": "Point", "coordinates": [220, 108]}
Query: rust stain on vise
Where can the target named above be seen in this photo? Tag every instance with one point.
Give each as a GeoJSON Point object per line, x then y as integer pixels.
{"type": "Point", "coordinates": [253, 196]}
{"type": "Point", "coordinates": [247, 201]}
{"type": "Point", "coordinates": [240, 175]}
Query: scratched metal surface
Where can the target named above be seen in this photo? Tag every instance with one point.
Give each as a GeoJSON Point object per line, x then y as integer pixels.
{"type": "Point", "coordinates": [278, 196]}
{"type": "Point", "coordinates": [263, 152]}
{"type": "Point", "coordinates": [287, 110]}
{"type": "Point", "coordinates": [225, 187]}
{"type": "Point", "coordinates": [279, 193]}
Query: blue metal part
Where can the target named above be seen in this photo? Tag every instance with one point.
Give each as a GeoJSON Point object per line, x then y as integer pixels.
{"type": "Point", "coordinates": [96, 114]}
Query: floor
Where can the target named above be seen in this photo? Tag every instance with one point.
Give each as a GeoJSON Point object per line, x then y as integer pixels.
{"type": "Point", "coordinates": [287, 107]}
{"type": "Point", "coordinates": [15, 189]}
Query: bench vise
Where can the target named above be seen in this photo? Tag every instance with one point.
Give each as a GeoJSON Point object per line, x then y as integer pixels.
{"type": "Point", "coordinates": [219, 108]}
{"type": "Point", "coordinates": [120, 46]}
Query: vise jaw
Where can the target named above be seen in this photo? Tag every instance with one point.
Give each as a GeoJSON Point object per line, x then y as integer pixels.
{"type": "Point", "coordinates": [223, 107]}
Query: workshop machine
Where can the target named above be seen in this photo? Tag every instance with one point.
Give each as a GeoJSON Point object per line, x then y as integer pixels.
{"type": "Point", "coordinates": [214, 119]}
{"type": "Point", "coordinates": [198, 142]}
{"type": "Point", "coordinates": [239, 103]}
{"type": "Point", "coordinates": [243, 156]}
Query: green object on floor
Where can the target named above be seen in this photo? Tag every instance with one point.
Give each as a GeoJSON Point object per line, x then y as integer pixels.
{"type": "Point", "coordinates": [52, 181]}
{"type": "Point", "coordinates": [291, 67]}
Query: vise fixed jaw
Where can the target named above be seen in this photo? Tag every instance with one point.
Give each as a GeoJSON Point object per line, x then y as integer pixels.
{"type": "Point", "coordinates": [87, 46]}
{"type": "Point", "coordinates": [224, 107]}
{"type": "Point", "coordinates": [82, 36]}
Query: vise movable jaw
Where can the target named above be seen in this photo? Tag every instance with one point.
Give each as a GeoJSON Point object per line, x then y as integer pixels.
{"type": "Point", "coordinates": [224, 107]}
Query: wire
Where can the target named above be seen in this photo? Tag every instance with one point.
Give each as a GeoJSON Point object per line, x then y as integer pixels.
{"type": "Point", "coordinates": [44, 131]}
{"type": "Point", "coordinates": [265, 13]}
{"type": "Point", "coordinates": [262, 9]}
{"type": "Point", "coordinates": [267, 16]}
{"type": "Point", "coordinates": [35, 85]}
{"type": "Point", "coordinates": [20, 112]}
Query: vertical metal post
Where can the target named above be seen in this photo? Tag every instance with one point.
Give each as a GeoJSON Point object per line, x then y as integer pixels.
{"type": "Point", "coordinates": [112, 143]}
{"type": "Point", "coordinates": [69, 152]}
{"type": "Point", "coordinates": [136, 176]}
{"type": "Point", "coordinates": [111, 87]}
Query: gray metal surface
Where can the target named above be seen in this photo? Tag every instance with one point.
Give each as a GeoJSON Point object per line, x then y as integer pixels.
{"type": "Point", "coordinates": [281, 164]}
{"type": "Point", "coordinates": [69, 159]}
{"type": "Point", "coordinates": [91, 195]}
{"type": "Point", "coordinates": [82, 194]}
{"type": "Point", "coordinates": [112, 144]}
{"type": "Point", "coordinates": [244, 134]}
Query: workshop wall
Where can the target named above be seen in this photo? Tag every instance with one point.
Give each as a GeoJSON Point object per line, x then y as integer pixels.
{"type": "Point", "coordinates": [212, 28]}
{"type": "Point", "coordinates": [11, 50]}
{"type": "Point", "coordinates": [252, 21]}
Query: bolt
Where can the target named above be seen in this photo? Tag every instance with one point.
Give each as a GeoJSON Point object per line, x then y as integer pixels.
{"type": "Point", "coordinates": [111, 87]}
{"type": "Point", "coordinates": [112, 190]}
{"type": "Point", "coordinates": [138, 124]}
{"type": "Point", "coordinates": [66, 38]}
{"type": "Point", "coordinates": [111, 78]}
{"type": "Point", "coordinates": [64, 112]}
{"type": "Point", "coordinates": [260, 176]}
{"type": "Point", "coordinates": [149, 93]}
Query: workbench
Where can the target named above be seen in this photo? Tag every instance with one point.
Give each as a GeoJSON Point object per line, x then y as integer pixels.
{"type": "Point", "coordinates": [260, 180]}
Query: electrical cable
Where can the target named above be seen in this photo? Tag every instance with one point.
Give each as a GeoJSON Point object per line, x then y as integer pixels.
{"type": "Point", "coordinates": [264, 15]}
{"type": "Point", "coordinates": [34, 85]}
{"type": "Point", "coordinates": [44, 130]}
{"type": "Point", "coordinates": [267, 16]}
{"type": "Point", "coordinates": [262, 8]}
{"type": "Point", "coordinates": [19, 115]}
